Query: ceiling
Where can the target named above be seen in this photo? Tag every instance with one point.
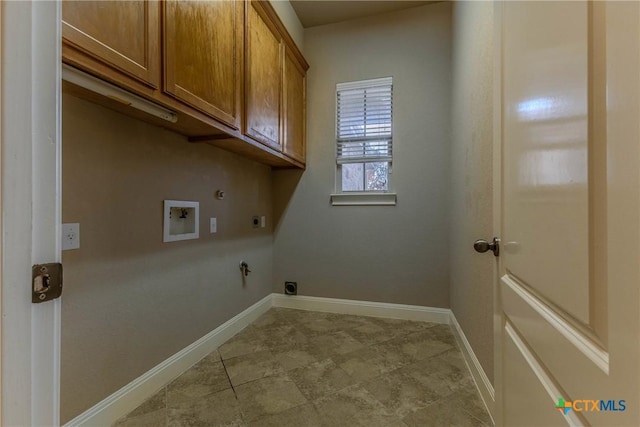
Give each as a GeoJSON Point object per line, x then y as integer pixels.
{"type": "Point", "coordinates": [319, 12]}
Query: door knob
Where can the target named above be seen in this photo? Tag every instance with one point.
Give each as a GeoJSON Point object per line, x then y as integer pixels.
{"type": "Point", "coordinates": [483, 246]}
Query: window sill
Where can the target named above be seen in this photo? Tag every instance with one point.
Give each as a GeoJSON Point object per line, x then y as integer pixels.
{"type": "Point", "coordinates": [363, 199]}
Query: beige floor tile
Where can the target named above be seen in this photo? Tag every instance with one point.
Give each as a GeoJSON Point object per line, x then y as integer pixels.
{"type": "Point", "coordinates": [250, 367]}
{"type": "Point", "coordinates": [300, 416]}
{"type": "Point", "coordinates": [441, 376]}
{"type": "Point", "coordinates": [335, 342]}
{"type": "Point", "coordinates": [272, 318]}
{"type": "Point", "coordinates": [400, 393]}
{"type": "Point", "coordinates": [403, 327]}
{"type": "Point", "coordinates": [320, 379]}
{"type": "Point", "coordinates": [346, 322]}
{"type": "Point", "coordinates": [393, 353]}
{"type": "Point", "coordinates": [354, 406]}
{"type": "Point", "coordinates": [420, 345]}
{"type": "Point", "coordinates": [206, 377]}
{"type": "Point", "coordinates": [295, 356]}
{"type": "Point", "coordinates": [303, 368]}
{"type": "Point", "coordinates": [366, 364]}
{"type": "Point", "coordinates": [268, 396]}
{"type": "Point", "coordinates": [319, 323]}
{"type": "Point", "coordinates": [216, 409]}
{"type": "Point", "coordinates": [289, 313]}
{"type": "Point", "coordinates": [443, 333]}
{"type": "Point", "coordinates": [468, 398]}
{"type": "Point", "coordinates": [443, 413]}
{"type": "Point", "coordinates": [245, 342]}
{"type": "Point", "coordinates": [282, 335]}
{"type": "Point", "coordinates": [151, 413]}
{"type": "Point", "coordinates": [454, 357]}
{"type": "Point", "coordinates": [370, 332]}
{"type": "Point", "coordinates": [304, 316]}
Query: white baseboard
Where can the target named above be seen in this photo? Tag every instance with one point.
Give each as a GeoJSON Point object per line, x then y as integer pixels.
{"type": "Point", "coordinates": [479, 376]}
{"type": "Point", "coordinates": [136, 392]}
{"type": "Point", "coordinates": [363, 308]}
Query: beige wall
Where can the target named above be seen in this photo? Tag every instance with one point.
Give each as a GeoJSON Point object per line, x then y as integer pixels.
{"type": "Point", "coordinates": [131, 301]}
{"type": "Point", "coordinates": [392, 254]}
{"type": "Point", "coordinates": [471, 168]}
{"type": "Point", "coordinates": [290, 20]}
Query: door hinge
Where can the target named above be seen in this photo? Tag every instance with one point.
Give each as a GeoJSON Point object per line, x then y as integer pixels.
{"type": "Point", "coordinates": [46, 283]}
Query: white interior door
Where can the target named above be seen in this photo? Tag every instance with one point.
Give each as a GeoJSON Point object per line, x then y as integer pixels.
{"type": "Point", "coordinates": [568, 289]}
{"type": "Point", "coordinates": [31, 176]}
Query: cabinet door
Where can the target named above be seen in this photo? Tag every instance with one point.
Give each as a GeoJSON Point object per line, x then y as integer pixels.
{"type": "Point", "coordinates": [294, 108]}
{"type": "Point", "coordinates": [263, 80]}
{"type": "Point", "coordinates": [122, 34]}
{"type": "Point", "coordinates": [203, 56]}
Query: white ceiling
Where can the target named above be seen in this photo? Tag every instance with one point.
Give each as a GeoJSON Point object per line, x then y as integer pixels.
{"type": "Point", "coordinates": [319, 12]}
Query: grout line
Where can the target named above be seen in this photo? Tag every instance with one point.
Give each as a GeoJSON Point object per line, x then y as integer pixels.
{"type": "Point", "coordinates": [166, 405]}
{"type": "Point", "coordinates": [228, 377]}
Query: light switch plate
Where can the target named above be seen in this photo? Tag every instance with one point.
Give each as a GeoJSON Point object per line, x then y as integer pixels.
{"type": "Point", "coordinates": [70, 236]}
{"type": "Point", "coordinates": [213, 225]}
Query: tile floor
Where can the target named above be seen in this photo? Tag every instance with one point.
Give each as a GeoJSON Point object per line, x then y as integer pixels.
{"type": "Point", "coordinates": [301, 368]}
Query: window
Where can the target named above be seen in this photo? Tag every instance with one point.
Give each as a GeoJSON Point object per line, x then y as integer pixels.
{"type": "Point", "coordinates": [364, 134]}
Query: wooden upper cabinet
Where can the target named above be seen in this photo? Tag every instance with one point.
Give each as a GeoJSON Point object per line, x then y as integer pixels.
{"type": "Point", "coordinates": [124, 35]}
{"type": "Point", "coordinates": [228, 69]}
{"type": "Point", "coordinates": [263, 79]}
{"type": "Point", "coordinates": [294, 107]}
{"type": "Point", "coordinates": [203, 56]}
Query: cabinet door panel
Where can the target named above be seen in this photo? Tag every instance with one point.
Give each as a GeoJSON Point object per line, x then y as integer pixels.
{"type": "Point", "coordinates": [203, 54]}
{"type": "Point", "coordinates": [123, 34]}
{"type": "Point", "coordinates": [263, 81]}
{"type": "Point", "coordinates": [294, 107]}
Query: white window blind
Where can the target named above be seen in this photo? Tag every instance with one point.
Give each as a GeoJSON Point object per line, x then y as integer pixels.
{"type": "Point", "coordinates": [364, 121]}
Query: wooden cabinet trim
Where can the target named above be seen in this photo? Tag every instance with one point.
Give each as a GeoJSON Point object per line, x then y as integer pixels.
{"type": "Point", "coordinates": [292, 148]}
{"type": "Point", "coordinates": [270, 13]}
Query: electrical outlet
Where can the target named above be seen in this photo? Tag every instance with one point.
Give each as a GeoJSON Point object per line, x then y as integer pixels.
{"type": "Point", "coordinates": [70, 236]}
{"type": "Point", "coordinates": [213, 225]}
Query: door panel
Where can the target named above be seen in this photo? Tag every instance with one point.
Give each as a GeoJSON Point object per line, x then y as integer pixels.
{"type": "Point", "coordinates": [531, 386]}
{"type": "Point", "coordinates": [569, 282]}
{"type": "Point", "coordinates": [546, 183]}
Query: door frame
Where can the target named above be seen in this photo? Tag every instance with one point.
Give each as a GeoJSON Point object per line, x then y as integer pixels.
{"type": "Point", "coordinates": [1, 270]}
{"type": "Point", "coordinates": [31, 209]}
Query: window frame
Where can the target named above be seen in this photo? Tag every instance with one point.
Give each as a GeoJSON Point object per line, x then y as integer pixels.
{"type": "Point", "coordinates": [365, 197]}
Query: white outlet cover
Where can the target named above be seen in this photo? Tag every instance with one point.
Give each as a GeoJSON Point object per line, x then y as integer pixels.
{"type": "Point", "coordinates": [184, 224]}
{"type": "Point", "coordinates": [213, 225]}
{"type": "Point", "coordinates": [70, 236]}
